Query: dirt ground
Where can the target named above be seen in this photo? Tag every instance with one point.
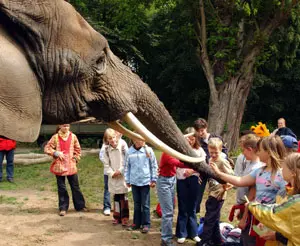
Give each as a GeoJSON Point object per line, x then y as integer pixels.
{"type": "Point", "coordinates": [32, 219]}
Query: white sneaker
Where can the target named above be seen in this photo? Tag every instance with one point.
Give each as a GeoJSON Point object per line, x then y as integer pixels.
{"type": "Point", "coordinates": [181, 240]}
{"type": "Point", "coordinates": [197, 239]}
{"type": "Point", "coordinates": [106, 212]}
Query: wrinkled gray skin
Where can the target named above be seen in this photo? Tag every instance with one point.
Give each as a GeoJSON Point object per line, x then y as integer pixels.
{"type": "Point", "coordinates": [55, 66]}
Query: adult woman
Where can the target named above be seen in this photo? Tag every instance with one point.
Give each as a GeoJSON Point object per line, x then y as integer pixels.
{"type": "Point", "coordinates": [65, 149]}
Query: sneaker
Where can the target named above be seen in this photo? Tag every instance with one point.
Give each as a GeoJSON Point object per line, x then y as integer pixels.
{"type": "Point", "coordinates": [10, 180]}
{"type": "Point", "coordinates": [115, 222]}
{"type": "Point", "coordinates": [62, 213]}
{"type": "Point", "coordinates": [133, 227]}
{"type": "Point", "coordinates": [181, 240]}
{"type": "Point", "coordinates": [106, 212]}
{"type": "Point", "coordinates": [145, 229]}
{"type": "Point", "coordinates": [197, 239]}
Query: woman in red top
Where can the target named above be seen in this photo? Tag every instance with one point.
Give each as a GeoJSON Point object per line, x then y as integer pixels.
{"type": "Point", "coordinates": [166, 192]}
{"type": "Point", "coordinates": [65, 149]}
{"type": "Point", "coordinates": [7, 149]}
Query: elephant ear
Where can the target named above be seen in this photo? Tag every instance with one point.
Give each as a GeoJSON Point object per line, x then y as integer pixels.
{"type": "Point", "coordinates": [20, 95]}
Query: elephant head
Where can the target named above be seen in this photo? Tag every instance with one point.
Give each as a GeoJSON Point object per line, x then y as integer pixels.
{"type": "Point", "coordinates": [55, 66]}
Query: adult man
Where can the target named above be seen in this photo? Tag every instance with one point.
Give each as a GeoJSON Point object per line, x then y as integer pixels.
{"type": "Point", "coordinates": [201, 126]}
{"type": "Point", "coordinates": [282, 129]}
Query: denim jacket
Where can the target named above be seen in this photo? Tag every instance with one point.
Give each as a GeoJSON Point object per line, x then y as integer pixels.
{"type": "Point", "coordinates": [140, 166]}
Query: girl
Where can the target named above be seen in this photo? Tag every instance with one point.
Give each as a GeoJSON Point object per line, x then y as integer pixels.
{"type": "Point", "coordinates": [284, 218]}
{"type": "Point", "coordinates": [268, 179]}
{"type": "Point", "coordinates": [188, 189]}
{"type": "Point", "coordinates": [140, 174]}
{"type": "Point", "coordinates": [66, 151]}
{"type": "Point", "coordinates": [114, 158]}
{"type": "Point", "coordinates": [106, 194]}
{"type": "Point", "coordinates": [166, 192]}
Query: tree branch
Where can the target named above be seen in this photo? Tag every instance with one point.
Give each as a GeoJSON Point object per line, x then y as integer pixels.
{"type": "Point", "coordinates": [201, 29]}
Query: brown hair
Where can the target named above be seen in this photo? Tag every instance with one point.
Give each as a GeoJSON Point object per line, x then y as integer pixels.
{"type": "Point", "coordinates": [192, 130]}
{"type": "Point", "coordinates": [274, 146]}
{"type": "Point", "coordinates": [249, 141]}
{"type": "Point", "coordinates": [200, 123]}
{"type": "Point", "coordinates": [292, 161]}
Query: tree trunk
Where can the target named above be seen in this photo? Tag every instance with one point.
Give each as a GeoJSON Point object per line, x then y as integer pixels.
{"type": "Point", "coordinates": [225, 115]}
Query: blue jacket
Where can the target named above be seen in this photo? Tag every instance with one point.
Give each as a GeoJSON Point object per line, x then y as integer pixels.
{"type": "Point", "coordinates": [140, 166]}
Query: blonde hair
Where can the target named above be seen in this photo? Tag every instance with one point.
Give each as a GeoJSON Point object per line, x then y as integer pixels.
{"type": "Point", "coordinates": [215, 143]}
{"type": "Point", "coordinates": [274, 146]}
{"type": "Point", "coordinates": [109, 132]}
{"type": "Point", "coordinates": [249, 141]}
{"type": "Point", "coordinates": [292, 161]}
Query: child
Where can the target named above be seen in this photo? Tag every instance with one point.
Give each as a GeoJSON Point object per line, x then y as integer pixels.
{"type": "Point", "coordinates": [188, 189]}
{"type": "Point", "coordinates": [113, 165]}
{"type": "Point", "coordinates": [140, 174]}
{"type": "Point", "coordinates": [106, 195]}
{"type": "Point", "coordinates": [166, 193]}
{"type": "Point", "coordinates": [217, 194]}
{"type": "Point", "coordinates": [65, 149]}
{"type": "Point", "coordinates": [248, 145]}
{"type": "Point", "coordinates": [267, 179]}
{"type": "Point", "coordinates": [285, 217]}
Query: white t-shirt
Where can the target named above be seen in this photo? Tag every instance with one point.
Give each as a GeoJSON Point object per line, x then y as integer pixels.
{"type": "Point", "coordinates": [181, 171]}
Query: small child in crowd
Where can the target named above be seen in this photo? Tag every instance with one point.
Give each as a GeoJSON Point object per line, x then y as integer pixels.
{"type": "Point", "coordinates": [251, 162]}
{"type": "Point", "coordinates": [106, 195]}
{"type": "Point", "coordinates": [267, 179]}
{"type": "Point", "coordinates": [188, 189]}
{"type": "Point", "coordinates": [140, 174]}
{"type": "Point", "coordinates": [285, 217]}
{"type": "Point", "coordinates": [166, 193]}
{"type": "Point", "coordinates": [217, 193]}
{"type": "Point", "coordinates": [113, 160]}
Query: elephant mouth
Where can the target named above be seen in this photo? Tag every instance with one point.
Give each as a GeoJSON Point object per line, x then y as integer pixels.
{"type": "Point", "coordinates": [145, 135]}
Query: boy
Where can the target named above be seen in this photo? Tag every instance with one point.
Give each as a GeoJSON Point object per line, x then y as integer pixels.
{"type": "Point", "coordinates": [140, 174]}
{"type": "Point", "coordinates": [217, 193]}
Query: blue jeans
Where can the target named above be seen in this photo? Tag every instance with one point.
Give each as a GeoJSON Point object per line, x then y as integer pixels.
{"type": "Point", "coordinates": [187, 192]}
{"type": "Point", "coordinates": [9, 163]}
{"type": "Point", "coordinates": [141, 199]}
{"type": "Point", "coordinates": [166, 192]}
{"type": "Point", "coordinates": [106, 195]}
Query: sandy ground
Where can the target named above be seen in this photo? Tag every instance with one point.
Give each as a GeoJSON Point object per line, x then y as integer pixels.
{"type": "Point", "coordinates": [33, 220]}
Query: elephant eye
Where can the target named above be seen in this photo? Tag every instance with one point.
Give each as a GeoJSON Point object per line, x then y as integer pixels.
{"type": "Point", "coordinates": [100, 65]}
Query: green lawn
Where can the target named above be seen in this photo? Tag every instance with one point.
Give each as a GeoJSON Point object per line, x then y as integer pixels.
{"type": "Point", "coordinates": [38, 177]}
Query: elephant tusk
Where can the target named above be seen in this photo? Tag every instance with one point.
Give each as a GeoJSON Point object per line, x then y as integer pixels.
{"type": "Point", "coordinates": [138, 126]}
{"type": "Point", "coordinates": [118, 127]}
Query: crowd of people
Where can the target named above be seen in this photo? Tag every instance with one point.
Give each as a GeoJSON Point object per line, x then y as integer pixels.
{"type": "Point", "coordinates": [266, 173]}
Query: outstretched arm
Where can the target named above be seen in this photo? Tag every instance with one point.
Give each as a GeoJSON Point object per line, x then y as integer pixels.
{"type": "Point", "coordinates": [237, 181]}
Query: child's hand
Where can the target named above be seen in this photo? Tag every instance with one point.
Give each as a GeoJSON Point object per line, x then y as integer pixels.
{"type": "Point", "coordinates": [227, 186]}
{"type": "Point", "coordinates": [116, 174]}
{"type": "Point", "coordinates": [270, 235]}
{"type": "Point", "coordinates": [188, 173]}
{"type": "Point", "coordinates": [152, 184]}
{"type": "Point", "coordinates": [242, 224]}
{"type": "Point", "coordinates": [214, 167]}
{"type": "Point", "coordinates": [128, 185]}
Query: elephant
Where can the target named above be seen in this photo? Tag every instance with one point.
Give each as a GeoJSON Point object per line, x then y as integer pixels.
{"type": "Point", "coordinates": [55, 68]}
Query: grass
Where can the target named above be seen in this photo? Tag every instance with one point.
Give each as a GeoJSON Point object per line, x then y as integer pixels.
{"type": "Point", "coordinates": [38, 177]}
